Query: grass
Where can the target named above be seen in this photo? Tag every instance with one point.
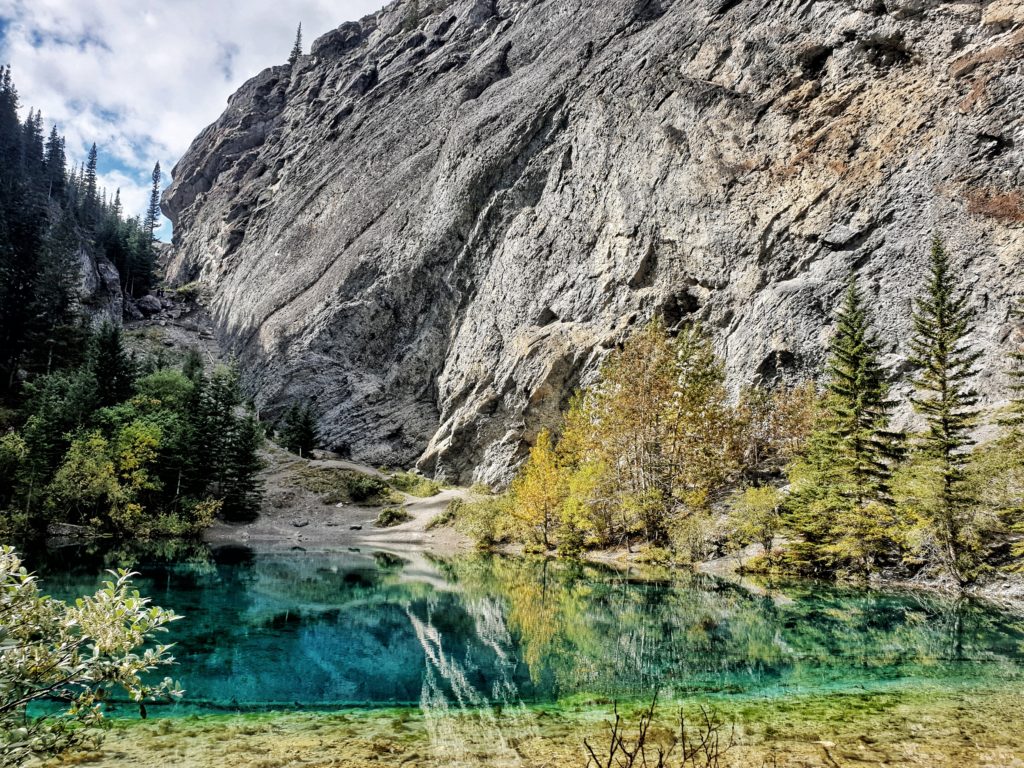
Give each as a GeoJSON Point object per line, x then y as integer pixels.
{"type": "Point", "coordinates": [449, 516]}
{"type": "Point", "coordinates": [343, 486]}
{"type": "Point", "coordinates": [392, 516]}
{"type": "Point", "coordinates": [415, 485]}
{"type": "Point", "coordinates": [924, 728]}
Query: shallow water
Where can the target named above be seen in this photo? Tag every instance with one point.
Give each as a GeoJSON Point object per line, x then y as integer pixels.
{"type": "Point", "coordinates": [363, 630]}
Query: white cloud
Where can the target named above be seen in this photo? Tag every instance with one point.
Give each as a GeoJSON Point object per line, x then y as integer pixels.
{"type": "Point", "coordinates": [142, 78]}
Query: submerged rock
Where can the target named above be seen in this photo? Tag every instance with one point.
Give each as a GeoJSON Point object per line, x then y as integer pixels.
{"type": "Point", "coordinates": [435, 233]}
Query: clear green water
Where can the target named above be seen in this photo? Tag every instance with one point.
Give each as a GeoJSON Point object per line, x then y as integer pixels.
{"type": "Point", "coordinates": [320, 631]}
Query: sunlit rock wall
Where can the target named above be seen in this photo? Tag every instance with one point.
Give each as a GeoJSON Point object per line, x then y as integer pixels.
{"type": "Point", "coordinates": [434, 228]}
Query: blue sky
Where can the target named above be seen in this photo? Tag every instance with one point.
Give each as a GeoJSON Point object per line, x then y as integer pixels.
{"type": "Point", "coordinates": [142, 78]}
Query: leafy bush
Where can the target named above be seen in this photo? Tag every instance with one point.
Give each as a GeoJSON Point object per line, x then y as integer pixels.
{"type": "Point", "coordinates": [485, 520]}
{"type": "Point", "coordinates": [392, 516]}
{"type": "Point", "coordinates": [755, 516]}
{"type": "Point", "coordinates": [340, 486]}
{"type": "Point", "coordinates": [75, 654]}
{"type": "Point", "coordinates": [655, 556]}
{"type": "Point", "coordinates": [696, 537]}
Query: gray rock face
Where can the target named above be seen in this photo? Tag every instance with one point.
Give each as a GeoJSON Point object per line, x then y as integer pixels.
{"type": "Point", "coordinates": [99, 288]}
{"type": "Point", "coordinates": [435, 228]}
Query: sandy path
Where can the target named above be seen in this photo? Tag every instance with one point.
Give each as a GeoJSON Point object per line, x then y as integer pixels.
{"type": "Point", "coordinates": [293, 517]}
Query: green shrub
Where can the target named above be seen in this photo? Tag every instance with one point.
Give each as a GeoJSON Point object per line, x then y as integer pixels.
{"type": "Point", "coordinates": [484, 520]}
{"type": "Point", "coordinates": [189, 291]}
{"type": "Point", "coordinates": [655, 556]}
{"type": "Point", "coordinates": [415, 485]}
{"type": "Point", "coordinates": [341, 486]}
{"type": "Point", "coordinates": [392, 516]}
{"type": "Point", "coordinates": [364, 488]}
{"type": "Point", "coordinates": [76, 654]}
{"type": "Point", "coordinates": [695, 538]}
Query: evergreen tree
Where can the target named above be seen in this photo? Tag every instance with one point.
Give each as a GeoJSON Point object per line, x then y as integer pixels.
{"type": "Point", "coordinates": [112, 366]}
{"type": "Point", "coordinates": [240, 487]}
{"type": "Point", "coordinates": [58, 336]}
{"type": "Point", "coordinates": [945, 366]}
{"type": "Point", "coordinates": [296, 48]}
{"type": "Point", "coordinates": [193, 365]}
{"type": "Point", "coordinates": [841, 504]}
{"type": "Point", "coordinates": [1014, 417]}
{"type": "Point", "coordinates": [298, 433]}
{"type": "Point", "coordinates": [10, 134]}
{"type": "Point", "coordinates": [150, 223]}
{"type": "Point", "coordinates": [90, 199]}
{"type": "Point", "coordinates": [56, 166]}
{"type": "Point", "coordinates": [860, 407]}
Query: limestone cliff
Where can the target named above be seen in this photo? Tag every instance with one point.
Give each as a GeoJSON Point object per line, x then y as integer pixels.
{"type": "Point", "coordinates": [438, 221]}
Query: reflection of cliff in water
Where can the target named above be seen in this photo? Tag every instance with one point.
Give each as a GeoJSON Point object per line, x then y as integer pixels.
{"type": "Point", "coordinates": [470, 640]}
{"type": "Point", "coordinates": [462, 706]}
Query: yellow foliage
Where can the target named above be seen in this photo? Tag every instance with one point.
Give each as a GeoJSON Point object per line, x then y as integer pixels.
{"type": "Point", "coordinates": [538, 492]}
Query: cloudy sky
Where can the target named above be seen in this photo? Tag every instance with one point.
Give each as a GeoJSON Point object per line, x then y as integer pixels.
{"type": "Point", "coordinates": [141, 78]}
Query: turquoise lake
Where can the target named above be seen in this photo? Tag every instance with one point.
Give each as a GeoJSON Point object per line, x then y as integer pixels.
{"type": "Point", "coordinates": [333, 630]}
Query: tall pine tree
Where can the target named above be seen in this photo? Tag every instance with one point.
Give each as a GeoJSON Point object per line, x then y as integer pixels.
{"type": "Point", "coordinates": [944, 397]}
{"type": "Point", "coordinates": [90, 193]}
{"type": "Point", "coordinates": [296, 48]}
{"type": "Point", "coordinates": [841, 504]}
{"type": "Point", "coordinates": [112, 365]}
{"type": "Point", "coordinates": [860, 407]}
{"type": "Point", "coordinates": [152, 220]}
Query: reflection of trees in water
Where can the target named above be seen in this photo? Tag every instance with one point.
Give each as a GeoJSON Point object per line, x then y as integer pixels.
{"type": "Point", "coordinates": [473, 638]}
{"type": "Point", "coordinates": [583, 629]}
{"type": "Point", "coordinates": [458, 711]}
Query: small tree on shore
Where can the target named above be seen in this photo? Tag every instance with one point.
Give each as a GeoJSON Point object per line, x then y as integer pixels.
{"type": "Point", "coordinates": [755, 516]}
{"type": "Point", "coordinates": [537, 492]}
{"type": "Point", "coordinates": [298, 433]}
{"type": "Point", "coordinates": [841, 503]}
{"type": "Point", "coordinates": [947, 401]}
{"type": "Point", "coordinates": [73, 654]}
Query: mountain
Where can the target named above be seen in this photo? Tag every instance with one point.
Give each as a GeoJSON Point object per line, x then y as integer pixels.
{"type": "Point", "coordinates": [435, 224]}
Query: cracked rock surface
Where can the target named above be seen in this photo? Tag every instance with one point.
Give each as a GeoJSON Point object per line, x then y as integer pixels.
{"type": "Point", "coordinates": [435, 227]}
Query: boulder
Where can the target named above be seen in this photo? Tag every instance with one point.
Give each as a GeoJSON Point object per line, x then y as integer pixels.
{"type": "Point", "coordinates": [149, 305]}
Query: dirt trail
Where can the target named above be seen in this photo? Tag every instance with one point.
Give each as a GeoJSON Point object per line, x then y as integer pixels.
{"type": "Point", "coordinates": [293, 516]}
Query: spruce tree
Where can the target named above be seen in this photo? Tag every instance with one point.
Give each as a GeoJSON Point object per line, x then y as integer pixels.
{"type": "Point", "coordinates": [112, 366]}
{"type": "Point", "coordinates": [944, 397]}
{"type": "Point", "coordinates": [298, 434]}
{"type": "Point", "coordinates": [90, 192]}
{"type": "Point", "coordinates": [842, 505]}
{"type": "Point", "coordinates": [58, 336]}
{"type": "Point", "coordinates": [55, 165]}
{"type": "Point", "coordinates": [296, 48]}
{"type": "Point", "coordinates": [240, 487]}
{"type": "Point", "coordinates": [1013, 419]}
{"type": "Point", "coordinates": [859, 402]}
{"type": "Point", "coordinates": [149, 224]}
{"type": "Point", "coordinates": [1012, 444]}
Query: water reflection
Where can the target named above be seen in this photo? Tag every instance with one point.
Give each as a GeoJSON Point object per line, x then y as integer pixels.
{"type": "Point", "coordinates": [473, 641]}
